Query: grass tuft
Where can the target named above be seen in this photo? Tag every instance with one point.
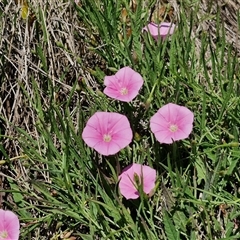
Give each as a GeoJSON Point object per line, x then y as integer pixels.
{"type": "Point", "coordinates": [53, 63]}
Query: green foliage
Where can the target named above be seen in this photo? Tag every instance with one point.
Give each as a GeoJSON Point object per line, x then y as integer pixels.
{"type": "Point", "coordinates": [69, 187]}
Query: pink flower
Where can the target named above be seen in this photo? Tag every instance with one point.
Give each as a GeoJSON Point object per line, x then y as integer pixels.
{"type": "Point", "coordinates": [161, 30]}
{"type": "Point", "coordinates": [171, 123]}
{"type": "Point", "coordinates": [133, 176]}
{"type": "Point", "coordinates": [107, 132]}
{"type": "Point", "coordinates": [124, 85]}
{"type": "Point", "coordinates": [9, 225]}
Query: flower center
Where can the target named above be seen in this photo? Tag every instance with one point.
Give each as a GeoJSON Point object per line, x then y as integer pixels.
{"type": "Point", "coordinates": [3, 234]}
{"type": "Point", "coordinates": [173, 128]}
{"type": "Point", "coordinates": [107, 138]}
{"type": "Point", "coordinates": [124, 91]}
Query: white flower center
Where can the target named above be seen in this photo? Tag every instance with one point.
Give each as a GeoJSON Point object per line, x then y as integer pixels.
{"type": "Point", "coordinates": [173, 128]}
{"type": "Point", "coordinates": [124, 91]}
{"type": "Point", "coordinates": [3, 234]}
{"type": "Point", "coordinates": [107, 138]}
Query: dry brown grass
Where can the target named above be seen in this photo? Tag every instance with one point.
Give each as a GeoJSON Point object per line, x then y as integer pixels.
{"type": "Point", "coordinates": [65, 58]}
{"type": "Point", "coordinates": [66, 54]}
{"type": "Point", "coordinates": [21, 41]}
{"type": "Point", "coordinates": [62, 47]}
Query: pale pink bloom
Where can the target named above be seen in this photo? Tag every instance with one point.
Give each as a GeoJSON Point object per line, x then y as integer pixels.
{"type": "Point", "coordinates": [171, 123]}
{"type": "Point", "coordinates": [107, 132]}
{"type": "Point", "coordinates": [135, 175]}
{"type": "Point", "coordinates": [124, 85]}
{"type": "Point", "coordinates": [9, 225]}
{"type": "Point", "coordinates": [160, 30]}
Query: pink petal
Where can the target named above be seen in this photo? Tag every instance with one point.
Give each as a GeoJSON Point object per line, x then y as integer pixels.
{"type": "Point", "coordinates": [134, 86]}
{"type": "Point", "coordinates": [111, 81]}
{"type": "Point", "coordinates": [152, 28]}
{"type": "Point", "coordinates": [163, 135]}
{"type": "Point", "coordinates": [124, 78]}
{"type": "Point", "coordinates": [171, 114]}
{"type": "Point", "coordinates": [127, 183]}
{"type": "Point", "coordinates": [124, 75]}
{"type": "Point", "coordinates": [125, 136]}
{"type": "Point", "coordinates": [97, 122]}
{"type": "Point", "coordinates": [113, 93]}
{"type": "Point", "coordinates": [127, 188]}
{"type": "Point", "coordinates": [149, 179]}
{"type": "Point", "coordinates": [183, 132]}
{"type": "Point", "coordinates": [117, 122]}
{"type": "Point", "coordinates": [9, 222]}
{"type": "Point", "coordinates": [179, 135]}
{"type": "Point", "coordinates": [159, 122]}
{"type": "Point", "coordinates": [149, 174]}
{"type": "Point", "coordinates": [161, 30]}
{"type": "Point", "coordinates": [185, 116]}
{"type": "Point", "coordinates": [91, 136]}
{"type": "Point", "coordinates": [167, 28]}
{"type": "Point", "coordinates": [186, 129]}
{"type": "Point", "coordinates": [107, 149]}
{"type": "Point", "coordinates": [107, 123]}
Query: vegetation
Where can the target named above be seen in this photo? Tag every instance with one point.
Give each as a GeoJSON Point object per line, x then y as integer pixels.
{"type": "Point", "coordinates": [54, 56]}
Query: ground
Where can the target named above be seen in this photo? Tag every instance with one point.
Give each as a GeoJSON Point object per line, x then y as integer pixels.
{"type": "Point", "coordinates": [54, 56]}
